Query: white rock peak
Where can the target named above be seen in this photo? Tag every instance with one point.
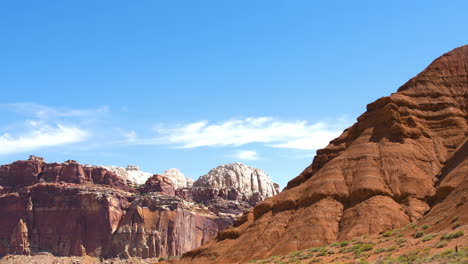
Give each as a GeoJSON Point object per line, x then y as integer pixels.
{"type": "Point", "coordinates": [178, 178]}
{"type": "Point", "coordinates": [243, 178]}
{"type": "Point", "coordinates": [131, 173]}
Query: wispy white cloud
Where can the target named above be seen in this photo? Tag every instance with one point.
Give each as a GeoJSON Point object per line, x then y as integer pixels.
{"type": "Point", "coordinates": [130, 136]}
{"type": "Point", "coordinates": [38, 126]}
{"type": "Point", "coordinates": [266, 130]}
{"type": "Point", "coordinates": [246, 155]}
{"type": "Point", "coordinates": [40, 136]}
{"type": "Point", "coordinates": [47, 112]}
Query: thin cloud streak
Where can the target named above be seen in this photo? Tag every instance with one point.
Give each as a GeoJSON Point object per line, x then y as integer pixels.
{"type": "Point", "coordinates": [47, 112]}
{"type": "Point", "coordinates": [264, 130]}
{"type": "Point", "coordinates": [44, 136]}
{"type": "Point", "coordinates": [247, 155]}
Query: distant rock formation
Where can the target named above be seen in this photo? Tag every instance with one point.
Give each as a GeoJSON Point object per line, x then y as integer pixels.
{"type": "Point", "coordinates": [132, 173]}
{"type": "Point", "coordinates": [178, 178]}
{"type": "Point", "coordinates": [160, 184]}
{"type": "Point", "coordinates": [69, 209]}
{"type": "Point", "coordinates": [235, 181]}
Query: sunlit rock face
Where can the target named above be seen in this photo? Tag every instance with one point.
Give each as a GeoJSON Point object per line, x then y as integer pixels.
{"type": "Point", "coordinates": [404, 160]}
{"type": "Point", "coordinates": [178, 178]}
{"type": "Point", "coordinates": [235, 181]}
{"type": "Point", "coordinates": [132, 173]}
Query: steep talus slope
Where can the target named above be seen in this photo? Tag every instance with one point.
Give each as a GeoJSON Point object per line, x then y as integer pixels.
{"type": "Point", "coordinates": [405, 155]}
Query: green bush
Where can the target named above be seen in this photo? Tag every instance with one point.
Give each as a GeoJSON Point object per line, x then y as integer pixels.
{"type": "Point", "coordinates": [428, 237]}
{"type": "Point", "coordinates": [455, 219]}
{"type": "Point", "coordinates": [418, 234]}
{"type": "Point", "coordinates": [401, 240]}
{"type": "Point", "coordinates": [379, 250]}
{"type": "Point", "coordinates": [425, 227]}
{"type": "Point", "coordinates": [344, 243]}
{"type": "Point", "coordinates": [457, 224]}
{"type": "Point", "coordinates": [441, 244]}
{"type": "Point", "coordinates": [453, 235]}
{"type": "Point", "coordinates": [387, 233]}
{"type": "Point", "coordinates": [392, 248]}
{"type": "Point", "coordinates": [365, 247]}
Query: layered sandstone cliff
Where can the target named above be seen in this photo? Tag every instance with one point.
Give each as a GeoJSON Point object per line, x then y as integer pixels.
{"type": "Point", "coordinates": [404, 160]}
{"type": "Point", "coordinates": [69, 209]}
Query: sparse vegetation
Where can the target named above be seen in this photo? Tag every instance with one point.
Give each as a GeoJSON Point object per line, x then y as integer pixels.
{"type": "Point", "coordinates": [453, 235]}
{"type": "Point", "coordinates": [428, 237]}
{"type": "Point", "coordinates": [361, 250]}
{"type": "Point", "coordinates": [401, 240]}
{"type": "Point", "coordinates": [418, 234]}
{"type": "Point", "coordinates": [441, 244]}
{"type": "Point", "coordinates": [387, 233]}
{"type": "Point", "coordinates": [425, 227]}
{"type": "Point", "coordinates": [457, 224]}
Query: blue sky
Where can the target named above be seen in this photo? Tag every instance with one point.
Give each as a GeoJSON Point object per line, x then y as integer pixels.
{"type": "Point", "coordinates": [194, 84]}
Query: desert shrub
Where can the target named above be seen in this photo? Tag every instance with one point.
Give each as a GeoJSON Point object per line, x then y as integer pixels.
{"type": "Point", "coordinates": [401, 240]}
{"type": "Point", "coordinates": [455, 219]}
{"type": "Point", "coordinates": [379, 250]}
{"type": "Point", "coordinates": [457, 224]}
{"type": "Point", "coordinates": [418, 234]}
{"type": "Point", "coordinates": [344, 243]}
{"type": "Point", "coordinates": [441, 244]}
{"type": "Point", "coordinates": [425, 227]}
{"type": "Point", "coordinates": [387, 233]}
{"type": "Point", "coordinates": [453, 235]}
{"type": "Point", "coordinates": [428, 237]}
{"type": "Point", "coordinates": [457, 234]}
{"type": "Point", "coordinates": [366, 247]}
{"type": "Point", "coordinates": [392, 248]}
{"type": "Point", "coordinates": [315, 249]}
{"type": "Point", "coordinates": [335, 244]}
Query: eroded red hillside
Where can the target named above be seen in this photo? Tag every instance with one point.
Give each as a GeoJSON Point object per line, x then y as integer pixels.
{"type": "Point", "coordinates": [404, 160]}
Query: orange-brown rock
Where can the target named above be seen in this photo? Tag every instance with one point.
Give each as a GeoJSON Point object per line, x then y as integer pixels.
{"type": "Point", "coordinates": [403, 160]}
{"type": "Point", "coordinates": [158, 183]}
{"type": "Point", "coordinates": [72, 210]}
{"type": "Point", "coordinates": [158, 225]}
{"type": "Point", "coordinates": [28, 172]}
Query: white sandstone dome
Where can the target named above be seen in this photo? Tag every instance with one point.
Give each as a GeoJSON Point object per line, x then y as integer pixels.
{"type": "Point", "coordinates": [245, 179]}
{"type": "Point", "coordinates": [131, 173]}
{"type": "Point", "coordinates": [178, 178]}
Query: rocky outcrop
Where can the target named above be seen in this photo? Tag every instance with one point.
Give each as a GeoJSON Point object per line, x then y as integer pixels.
{"type": "Point", "coordinates": [234, 181]}
{"type": "Point", "coordinates": [404, 160]}
{"type": "Point", "coordinates": [19, 242]}
{"type": "Point", "coordinates": [178, 178]}
{"type": "Point", "coordinates": [160, 184]}
{"type": "Point", "coordinates": [157, 225]}
{"type": "Point", "coordinates": [28, 172]}
{"type": "Point", "coordinates": [132, 173]}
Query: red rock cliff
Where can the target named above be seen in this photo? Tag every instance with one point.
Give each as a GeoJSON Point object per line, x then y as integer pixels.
{"type": "Point", "coordinates": [404, 158]}
{"type": "Point", "coordinates": [72, 210]}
